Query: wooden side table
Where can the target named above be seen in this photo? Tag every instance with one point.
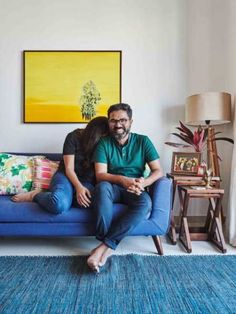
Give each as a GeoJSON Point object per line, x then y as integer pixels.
{"type": "Point", "coordinates": [213, 226]}
{"type": "Point", "coordinates": [184, 181]}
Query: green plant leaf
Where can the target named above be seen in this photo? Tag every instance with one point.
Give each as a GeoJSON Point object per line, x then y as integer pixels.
{"type": "Point", "coordinates": [177, 144]}
{"type": "Point", "coordinates": [186, 130]}
{"type": "Point", "coordinates": [185, 139]}
{"type": "Point", "coordinates": [227, 139]}
{"type": "Point", "coordinates": [205, 135]}
{"type": "Point", "coordinates": [215, 133]}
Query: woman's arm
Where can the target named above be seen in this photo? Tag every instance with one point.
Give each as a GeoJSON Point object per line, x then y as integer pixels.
{"type": "Point", "coordinates": [83, 195]}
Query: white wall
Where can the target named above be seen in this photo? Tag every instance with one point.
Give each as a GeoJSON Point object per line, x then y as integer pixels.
{"type": "Point", "coordinates": [211, 65]}
{"type": "Point", "coordinates": [151, 35]}
{"type": "Point", "coordinates": [171, 49]}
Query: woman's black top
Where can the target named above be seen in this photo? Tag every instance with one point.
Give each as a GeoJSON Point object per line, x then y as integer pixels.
{"type": "Point", "coordinates": [73, 146]}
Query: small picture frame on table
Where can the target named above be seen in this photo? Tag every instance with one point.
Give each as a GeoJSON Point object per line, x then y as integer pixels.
{"type": "Point", "coordinates": [185, 163]}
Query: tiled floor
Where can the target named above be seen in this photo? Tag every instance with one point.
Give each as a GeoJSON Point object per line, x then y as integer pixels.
{"type": "Point", "coordinates": [83, 245]}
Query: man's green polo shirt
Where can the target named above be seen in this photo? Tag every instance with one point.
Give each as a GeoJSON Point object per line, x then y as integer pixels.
{"type": "Point", "coordinates": [128, 160]}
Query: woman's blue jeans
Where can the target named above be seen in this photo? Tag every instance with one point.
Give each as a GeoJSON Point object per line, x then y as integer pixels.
{"type": "Point", "coordinates": [112, 232]}
{"type": "Point", "coordinates": [60, 196]}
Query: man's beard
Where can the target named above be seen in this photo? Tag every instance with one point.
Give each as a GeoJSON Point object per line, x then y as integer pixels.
{"type": "Point", "coordinates": [120, 136]}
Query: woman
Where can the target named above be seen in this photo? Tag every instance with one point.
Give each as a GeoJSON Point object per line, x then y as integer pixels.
{"type": "Point", "coordinates": [75, 177]}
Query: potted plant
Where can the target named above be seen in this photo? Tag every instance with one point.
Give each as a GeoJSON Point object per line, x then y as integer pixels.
{"type": "Point", "coordinates": [196, 139]}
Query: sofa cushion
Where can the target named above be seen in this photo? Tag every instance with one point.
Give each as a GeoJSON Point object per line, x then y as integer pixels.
{"type": "Point", "coordinates": [31, 212]}
{"type": "Point", "coordinates": [44, 169]}
{"type": "Point", "coordinates": [15, 174]}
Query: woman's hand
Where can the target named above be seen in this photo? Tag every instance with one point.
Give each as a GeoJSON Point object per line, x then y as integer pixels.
{"type": "Point", "coordinates": [83, 196]}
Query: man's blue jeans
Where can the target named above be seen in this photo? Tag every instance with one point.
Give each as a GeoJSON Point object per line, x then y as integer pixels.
{"type": "Point", "coordinates": [112, 232]}
{"type": "Point", "coordinates": [60, 196]}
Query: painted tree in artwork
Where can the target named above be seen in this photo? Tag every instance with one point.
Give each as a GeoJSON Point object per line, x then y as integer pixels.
{"type": "Point", "coordinates": [89, 99]}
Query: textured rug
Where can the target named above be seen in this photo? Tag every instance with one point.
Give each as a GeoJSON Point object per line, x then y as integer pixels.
{"type": "Point", "coordinates": [127, 284]}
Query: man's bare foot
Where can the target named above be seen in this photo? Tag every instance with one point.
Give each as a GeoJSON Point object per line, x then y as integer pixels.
{"type": "Point", "coordinates": [108, 252]}
{"type": "Point", "coordinates": [25, 197]}
{"type": "Point", "coordinates": [94, 259]}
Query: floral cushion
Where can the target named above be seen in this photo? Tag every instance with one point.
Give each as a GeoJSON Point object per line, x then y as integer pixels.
{"type": "Point", "coordinates": [16, 175]}
{"type": "Point", "coordinates": [44, 169]}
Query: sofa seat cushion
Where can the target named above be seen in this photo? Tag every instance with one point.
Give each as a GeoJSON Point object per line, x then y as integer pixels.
{"type": "Point", "coordinates": [32, 212]}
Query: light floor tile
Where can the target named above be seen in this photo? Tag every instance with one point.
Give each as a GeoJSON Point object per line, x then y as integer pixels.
{"type": "Point", "coordinates": [83, 245]}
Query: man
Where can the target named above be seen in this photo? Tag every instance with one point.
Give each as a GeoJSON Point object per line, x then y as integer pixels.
{"type": "Point", "coordinates": [120, 160]}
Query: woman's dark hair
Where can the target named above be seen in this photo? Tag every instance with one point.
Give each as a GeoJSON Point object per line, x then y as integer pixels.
{"type": "Point", "coordinates": [120, 106]}
{"type": "Point", "coordinates": [90, 136]}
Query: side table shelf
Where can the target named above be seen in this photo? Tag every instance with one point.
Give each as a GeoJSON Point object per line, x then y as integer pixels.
{"type": "Point", "coordinates": [186, 181]}
{"type": "Point", "coordinates": [212, 230]}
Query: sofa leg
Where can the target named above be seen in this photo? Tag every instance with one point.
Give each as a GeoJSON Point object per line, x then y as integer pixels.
{"type": "Point", "coordinates": [158, 244]}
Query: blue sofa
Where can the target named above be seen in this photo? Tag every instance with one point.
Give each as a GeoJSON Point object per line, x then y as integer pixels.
{"type": "Point", "coordinates": [30, 220]}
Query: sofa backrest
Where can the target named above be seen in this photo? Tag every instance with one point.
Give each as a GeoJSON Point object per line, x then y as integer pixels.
{"type": "Point", "coordinates": [51, 156]}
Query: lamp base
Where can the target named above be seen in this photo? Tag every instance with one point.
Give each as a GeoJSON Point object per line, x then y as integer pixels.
{"type": "Point", "coordinates": [212, 156]}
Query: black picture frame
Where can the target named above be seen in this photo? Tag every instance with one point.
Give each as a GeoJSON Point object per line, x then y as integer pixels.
{"type": "Point", "coordinates": [43, 74]}
{"type": "Point", "coordinates": [185, 163]}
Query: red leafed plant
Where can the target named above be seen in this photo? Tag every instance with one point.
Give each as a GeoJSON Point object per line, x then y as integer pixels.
{"type": "Point", "coordinates": [196, 139]}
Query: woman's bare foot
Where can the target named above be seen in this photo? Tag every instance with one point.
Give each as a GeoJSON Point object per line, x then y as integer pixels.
{"type": "Point", "coordinates": [25, 197]}
{"type": "Point", "coordinates": [95, 259]}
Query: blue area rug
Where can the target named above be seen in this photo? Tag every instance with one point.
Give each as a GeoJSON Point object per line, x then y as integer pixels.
{"type": "Point", "coordinates": [128, 284]}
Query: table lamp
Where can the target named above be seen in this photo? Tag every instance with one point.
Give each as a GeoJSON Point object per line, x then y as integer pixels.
{"type": "Point", "coordinates": [209, 109]}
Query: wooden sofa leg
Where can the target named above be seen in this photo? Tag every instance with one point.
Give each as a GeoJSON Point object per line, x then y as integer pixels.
{"type": "Point", "coordinates": [158, 244]}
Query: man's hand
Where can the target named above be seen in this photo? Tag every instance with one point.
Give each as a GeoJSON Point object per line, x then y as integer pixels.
{"type": "Point", "coordinates": [127, 182]}
{"type": "Point", "coordinates": [83, 196]}
{"type": "Point", "coordinates": [137, 187]}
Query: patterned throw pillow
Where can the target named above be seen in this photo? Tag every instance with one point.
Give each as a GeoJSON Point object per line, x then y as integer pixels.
{"type": "Point", "coordinates": [44, 169]}
{"type": "Point", "coordinates": [16, 174]}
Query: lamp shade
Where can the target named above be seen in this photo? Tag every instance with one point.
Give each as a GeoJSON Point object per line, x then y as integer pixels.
{"type": "Point", "coordinates": [212, 106]}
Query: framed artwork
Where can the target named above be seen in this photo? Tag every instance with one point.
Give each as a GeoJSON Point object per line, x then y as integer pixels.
{"type": "Point", "coordinates": [70, 86]}
{"type": "Point", "coordinates": [185, 163]}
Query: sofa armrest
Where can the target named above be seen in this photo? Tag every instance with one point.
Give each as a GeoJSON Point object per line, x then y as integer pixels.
{"type": "Point", "coordinates": [161, 195]}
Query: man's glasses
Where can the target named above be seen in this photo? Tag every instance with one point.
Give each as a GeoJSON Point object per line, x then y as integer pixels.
{"type": "Point", "coordinates": [120, 121]}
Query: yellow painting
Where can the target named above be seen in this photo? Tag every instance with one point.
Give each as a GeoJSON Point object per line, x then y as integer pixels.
{"type": "Point", "coordinates": [70, 86]}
